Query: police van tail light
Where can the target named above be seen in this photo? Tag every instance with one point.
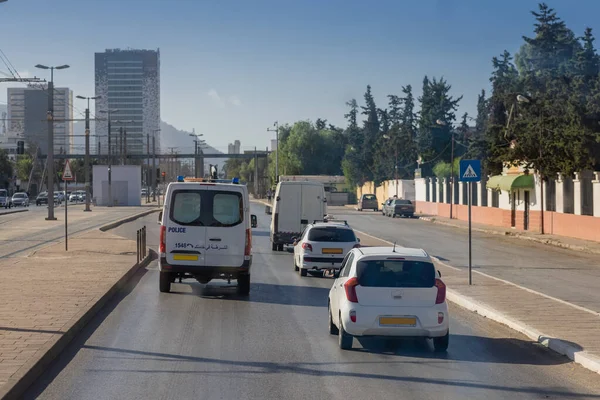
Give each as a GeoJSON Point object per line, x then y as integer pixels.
{"type": "Point", "coordinates": [162, 248]}
{"type": "Point", "coordinates": [248, 246]}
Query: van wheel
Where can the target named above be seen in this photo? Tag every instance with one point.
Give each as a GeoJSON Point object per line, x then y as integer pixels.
{"type": "Point", "coordinates": [440, 344]}
{"type": "Point", "coordinates": [274, 246]}
{"type": "Point", "coordinates": [243, 286]}
{"type": "Point", "coordinates": [303, 272]}
{"type": "Point", "coordinates": [165, 282]}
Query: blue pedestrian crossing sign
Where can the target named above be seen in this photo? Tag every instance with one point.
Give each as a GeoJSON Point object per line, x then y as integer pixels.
{"type": "Point", "coordinates": [470, 171]}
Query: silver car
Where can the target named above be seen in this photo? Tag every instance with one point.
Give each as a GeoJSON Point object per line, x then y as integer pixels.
{"type": "Point", "coordinates": [20, 199]}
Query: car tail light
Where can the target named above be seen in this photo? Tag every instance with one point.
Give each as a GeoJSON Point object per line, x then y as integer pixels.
{"type": "Point", "coordinates": [353, 316]}
{"type": "Point", "coordinates": [248, 247]}
{"type": "Point", "coordinates": [307, 246]}
{"type": "Point", "coordinates": [440, 317]}
{"type": "Point", "coordinates": [162, 248]}
{"type": "Point", "coordinates": [350, 288]}
{"type": "Point", "coordinates": [441, 291]}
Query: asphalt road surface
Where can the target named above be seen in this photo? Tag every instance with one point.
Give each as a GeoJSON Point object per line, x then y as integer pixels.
{"type": "Point", "coordinates": [562, 273]}
{"type": "Point", "coordinates": [204, 342]}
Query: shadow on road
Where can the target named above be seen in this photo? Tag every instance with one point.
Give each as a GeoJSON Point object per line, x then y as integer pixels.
{"type": "Point", "coordinates": [207, 365]}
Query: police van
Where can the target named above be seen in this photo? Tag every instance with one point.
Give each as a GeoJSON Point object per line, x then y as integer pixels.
{"type": "Point", "coordinates": [206, 233]}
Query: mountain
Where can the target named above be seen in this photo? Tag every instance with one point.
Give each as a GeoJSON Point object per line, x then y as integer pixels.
{"type": "Point", "coordinates": [182, 142]}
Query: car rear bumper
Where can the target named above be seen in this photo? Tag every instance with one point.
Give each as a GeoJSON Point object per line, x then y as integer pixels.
{"type": "Point", "coordinates": [204, 270]}
{"type": "Point", "coordinates": [319, 265]}
{"type": "Point", "coordinates": [399, 211]}
{"type": "Point", "coordinates": [367, 321]}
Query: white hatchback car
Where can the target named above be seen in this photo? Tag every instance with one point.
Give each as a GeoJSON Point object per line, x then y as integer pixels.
{"type": "Point", "coordinates": [391, 292]}
{"type": "Point", "coordinates": [323, 246]}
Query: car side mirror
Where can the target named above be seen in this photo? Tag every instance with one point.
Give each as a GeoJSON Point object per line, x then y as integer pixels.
{"type": "Point", "coordinates": [160, 214]}
{"type": "Point", "coordinates": [253, 221]}
{"type": "Point", "coordinates": [358, 239]}
{"type": "Point", "coordinates": [278, 198]}
{"type": "Point", "coordinates": [439, 273]}
{"type": "Point", "coordinates": [336, 274]}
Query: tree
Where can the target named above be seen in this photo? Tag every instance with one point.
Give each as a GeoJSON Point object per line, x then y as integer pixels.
{"type": "Point", "coordinates": [24, 165]}
{"type": "Point", "coordinates": [6, 169]}
{"type": "Point", "coordinates": [476, 144]}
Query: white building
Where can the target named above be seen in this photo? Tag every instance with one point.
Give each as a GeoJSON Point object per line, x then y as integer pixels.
{"type": "Point", "coordinates": [27, 116]}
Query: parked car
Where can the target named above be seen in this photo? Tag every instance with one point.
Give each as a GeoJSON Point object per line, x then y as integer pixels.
{"type": "Point", "coordinates": [368, 202]}
{"type": "Point", "coordinates": [5, 199]}
{"type": "Point", "coordinates": [323, 246]}
{"type": "Point", "coordinates": [389, 292]}
{"type": "Point", "coordinates": [401, 207]}
{"type": "Point", "coordinates": [20, 199]}
{"type": "Point", "coordinates": [75, 197]}
{"type": "Point", "coordinates": [42, 198]}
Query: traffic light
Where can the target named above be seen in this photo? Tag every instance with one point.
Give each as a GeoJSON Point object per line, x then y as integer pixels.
{"type": "Point", "coordinates": [20, 147]}
{"type": "Point", "coordinates": [164, 175]}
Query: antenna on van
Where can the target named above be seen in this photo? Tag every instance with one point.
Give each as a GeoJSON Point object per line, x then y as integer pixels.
{"type": "Point", "coordinates": [394, 249]}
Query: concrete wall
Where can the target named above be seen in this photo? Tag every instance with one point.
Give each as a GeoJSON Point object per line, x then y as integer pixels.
{"type": "Point", "coordinates": [126, 185]}
{"type": "Point", "coordinates": [387, 189]}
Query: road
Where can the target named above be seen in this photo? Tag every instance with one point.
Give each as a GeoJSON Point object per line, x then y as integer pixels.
{"type": "Point", "coordinates": [22, 233]}
{"type": "Point", "coordinates": [565, 274]}
{"type": "Point", "coordinates": [204, 342]}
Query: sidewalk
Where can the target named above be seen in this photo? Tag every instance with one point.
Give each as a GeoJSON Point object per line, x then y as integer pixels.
{"type": "Point", "coordinates": [48, 296]}
{"type": "Point", "coordinates": [562, 327]}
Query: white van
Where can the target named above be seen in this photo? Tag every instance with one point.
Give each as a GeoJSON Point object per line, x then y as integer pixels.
{"type": "Point", "coordinates": [297, 204]}
{"type": "Point", "coordinates": [206, 234]}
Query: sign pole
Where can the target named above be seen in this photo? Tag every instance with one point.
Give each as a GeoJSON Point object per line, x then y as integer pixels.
{"type": "Point", "coordinates": [66, 203]}
{"type": "Point", "coordinates": [470, 171]}
{"type": "Point", "coordinates": [470, 248]}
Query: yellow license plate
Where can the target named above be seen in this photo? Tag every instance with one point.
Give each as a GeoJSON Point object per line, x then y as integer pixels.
{"type": "Point", "coordinates": [332, 251]}
{"type": "Point", "coordinates": [185, 257]}
{"type": "Point", "coordinates": [399, 321]}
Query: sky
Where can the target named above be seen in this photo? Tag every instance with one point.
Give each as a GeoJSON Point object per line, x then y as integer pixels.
{"type": "Point", "coordinates": [229, 69]}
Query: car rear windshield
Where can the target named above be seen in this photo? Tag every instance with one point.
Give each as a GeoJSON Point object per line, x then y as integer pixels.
{"type": "Point", "coordinates": [331, 235]}
{"type": "Point", "coordinates": [396, 273]}
{"type": "Point", "coordinates": [403, 202]}
{"type": "Point", "coordinates": [19, 195]}
{"type": "Point", "coordinates": [207, 208]}
{"type": "Point", "coordinates": [369, 197]}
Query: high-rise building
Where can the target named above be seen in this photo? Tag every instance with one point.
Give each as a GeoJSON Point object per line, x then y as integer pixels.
{"type": "Point", "coordinates": [128, 83]}
{"type": "Point", "coordinates": [234, 148]}
{"type": "Point", "coordinates": [27, 116]}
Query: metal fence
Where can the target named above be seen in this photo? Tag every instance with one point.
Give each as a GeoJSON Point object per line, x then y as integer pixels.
{"type": "Point", "coordinates": [142, 250]}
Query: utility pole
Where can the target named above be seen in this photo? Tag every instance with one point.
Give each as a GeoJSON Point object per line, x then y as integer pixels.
{"type": "Point", "coordinates": [154, 168]}
{"type": "Point", "coordinates": [50, 119]}
{"type": "Point", "coordinates": [276, 125]}
{"type": "Point", "coordinates": [124, 146]}
{"type": "Point", "coordinates": [148, 172]}
{"type": "Point", "coordinates": [87, 151]}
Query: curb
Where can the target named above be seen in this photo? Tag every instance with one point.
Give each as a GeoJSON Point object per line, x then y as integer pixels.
{"type": "Point", "coordinates": [547, 241]}
{"type": "Point", "coordinates": [122, 221]}
{"type": "Point", "coordinates": [13, 212]}
{"type": "Point", "coordinates": [571, 350]}
{"type": "Point", "coordinates": [32, 370]}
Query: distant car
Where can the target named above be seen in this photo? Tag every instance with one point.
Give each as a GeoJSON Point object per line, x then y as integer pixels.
{"type": "Point", "coordinates": [57, 200]}
{"type": "Point", "coordinates": [393, 207]}
{"type": "Point", "coordinates": [42, 198]}
{"type": "Point", "coordinates": [61, 196]}
{"type": "Point", "coordinates": [5, 199]}
{"type": "Point", "coordinates": [323, 246]}
{"type": "Point", "coordinates": [20, 199]}
{"type": "Point", "coordinates": [368, 202]}
{"type": "Point", "coordinates": [389, 292]}
{"type": "Point", "coordinates": [75, 197]}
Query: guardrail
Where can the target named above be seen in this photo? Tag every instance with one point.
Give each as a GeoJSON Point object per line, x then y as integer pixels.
{"type": "Point", "coordinates": [142, 249]}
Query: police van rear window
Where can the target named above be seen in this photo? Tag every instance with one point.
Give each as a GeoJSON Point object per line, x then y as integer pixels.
{"type": "Point", "coordinates": [207, 208]}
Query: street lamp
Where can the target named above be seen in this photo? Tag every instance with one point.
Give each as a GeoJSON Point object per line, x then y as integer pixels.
{"type": "Point", "coordinates": [276, 130]}
{"type": "Point", "coordinates": [154, 132]}
{"type": "Point", "coordinates": [442, 123]}
{"type": "Point", "coordinates": [87, 150]}
{"type": "Point", "coordinates": [526, 100]}
{"type": "Point", "coordinates": [109, 112]}
{"type": "Point", "coordinates": [50, 119]}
